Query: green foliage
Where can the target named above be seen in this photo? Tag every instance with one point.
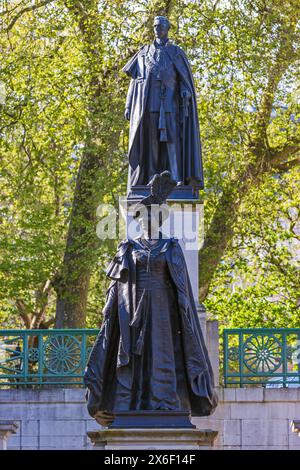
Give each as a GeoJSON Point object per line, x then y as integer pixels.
{"type": "Point", "coordinates": [64, 141]}
{"type": "Point", "coordinates": [258, 281]}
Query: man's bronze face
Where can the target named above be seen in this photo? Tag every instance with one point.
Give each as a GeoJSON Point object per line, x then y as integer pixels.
{"type": "Point", "coordinates": [161, 29]}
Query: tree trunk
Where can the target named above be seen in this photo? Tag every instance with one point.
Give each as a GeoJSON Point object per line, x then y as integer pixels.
{"type": "Point", "coordinates": [72, 283]}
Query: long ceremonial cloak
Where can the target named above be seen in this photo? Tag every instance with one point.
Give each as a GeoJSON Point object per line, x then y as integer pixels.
{"type": "Point", "coordinates": [136, 101]}
{"type": "Point", "coordinates": [111, 353]}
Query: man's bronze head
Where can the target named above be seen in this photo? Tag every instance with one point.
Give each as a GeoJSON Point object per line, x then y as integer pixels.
{"type": "Point", "coordinates": [161, 27]}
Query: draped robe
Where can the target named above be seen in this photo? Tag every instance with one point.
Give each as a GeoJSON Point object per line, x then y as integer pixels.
{"type": "Point", "coordinates": [112, 351]}
{"type": "Point", "coordinates": [191, 155]}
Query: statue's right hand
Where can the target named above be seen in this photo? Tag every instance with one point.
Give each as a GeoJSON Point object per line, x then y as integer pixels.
{"type": "Point", "coordinates": [127, 114]}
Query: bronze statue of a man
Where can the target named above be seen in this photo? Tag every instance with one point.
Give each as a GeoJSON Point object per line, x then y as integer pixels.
{"type": "Point", "coordinates": [162, 109]}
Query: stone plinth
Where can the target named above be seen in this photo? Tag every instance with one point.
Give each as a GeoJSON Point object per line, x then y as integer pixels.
{"type": "Point", "coordinates": [246, 418]}
{"type": "Point", "coordinates": [7, 428]}
{"type": "Point", "coordinates": [153, 419]}
{"type": "Point", "coordinates": [213, 347]}
{"type": "Point", "coordinates": [152, 439]}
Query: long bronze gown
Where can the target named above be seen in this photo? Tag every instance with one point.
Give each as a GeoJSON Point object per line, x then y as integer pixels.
{"type": "Point", "coordinates": [159, 376]}
{"type": "Point", "coordinates": [150, 352]}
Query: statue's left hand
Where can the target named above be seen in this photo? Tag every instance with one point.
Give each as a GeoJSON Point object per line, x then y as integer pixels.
{"type": "Point", "coordinates": [127, 114]}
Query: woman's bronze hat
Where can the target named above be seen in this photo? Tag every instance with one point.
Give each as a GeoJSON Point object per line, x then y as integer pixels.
{"type": "Point", "coordinates": [161, 185]}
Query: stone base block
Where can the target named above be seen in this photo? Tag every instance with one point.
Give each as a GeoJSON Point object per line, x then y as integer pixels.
{"type": "Point", "coordinates": [157, 419]}
{"type": "Point", "coordinates": [7, 428]}
{"type": "Point", "coordinates": [152, 439]}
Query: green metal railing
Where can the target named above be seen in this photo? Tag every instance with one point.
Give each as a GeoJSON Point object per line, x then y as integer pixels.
{"type": "Point", "coordinates": [35, 358]}
{"type": "Point", "coordinates": [44, 357]}
{"type": "Point", "coordinates": [261, 356]}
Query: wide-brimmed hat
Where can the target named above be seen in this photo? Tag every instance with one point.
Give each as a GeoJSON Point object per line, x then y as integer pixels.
{"type": "Point", "coordinates": [161, 185]}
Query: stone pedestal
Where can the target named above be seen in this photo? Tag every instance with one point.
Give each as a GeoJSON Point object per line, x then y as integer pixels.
{"type": "Point", "coordinates": [202, 319]}
{"type": "Point", "coordinates": [152, 439]}
{"type": "Point", "coordinates": [213, 347]}
{"type": "Point", "coordinates": [7, 428]}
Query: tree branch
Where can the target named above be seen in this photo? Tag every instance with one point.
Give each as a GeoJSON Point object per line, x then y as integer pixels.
{"type": "Point", "coordinates": [279, 157]}
{"type": "Point", "coordinates": [42, 303]}
{"type": "Point", "coordinates": [5, 12]}
{"type": "Point", "coordinates": [285, 166]}
{"type": "Point", "coordinates": [26, 10]}
{"type": "Point", "coordinates": [45, 324]}
{"type": "Point", "coordinates": [26, 317]}
{"type": "Point", "coordinates": [284, 58]}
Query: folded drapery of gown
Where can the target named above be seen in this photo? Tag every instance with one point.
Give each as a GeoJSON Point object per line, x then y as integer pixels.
{"type": "Point", "coordinates": [128, 332]}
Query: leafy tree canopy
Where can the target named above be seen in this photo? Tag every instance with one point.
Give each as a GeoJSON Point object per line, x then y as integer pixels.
{"type": "Point", "coordinates": [64, 141]}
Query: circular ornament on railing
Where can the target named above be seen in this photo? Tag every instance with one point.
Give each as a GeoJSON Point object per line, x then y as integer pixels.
{"type": "Point", "coordinates": [262, 353]}
{"type": "Point", "coordinates": [62, 354]}
{"type": "Point", "coordinates": [33, 355]}
{"type": "Point", "coordinates": [233, 353]}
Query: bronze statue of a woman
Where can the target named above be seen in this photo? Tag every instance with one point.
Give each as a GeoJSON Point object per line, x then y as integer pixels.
{"type": "Point", "coordinates": [150, 352]}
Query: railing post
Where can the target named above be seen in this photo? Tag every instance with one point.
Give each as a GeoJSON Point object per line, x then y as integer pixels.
{"type": "Point", "coordinates": [225, 357]}
{"type": "Point", "coordinates": [241, 357]}
{"type": "Point", "coordinates": [41, 358]}
{"type": "Point", "coordinates": [25, 355]}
